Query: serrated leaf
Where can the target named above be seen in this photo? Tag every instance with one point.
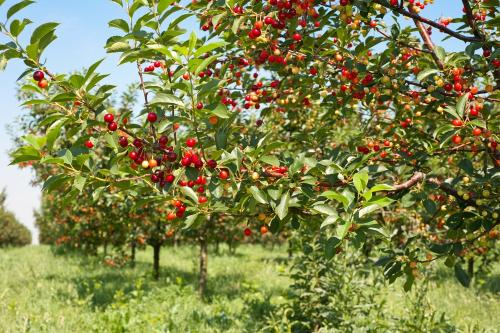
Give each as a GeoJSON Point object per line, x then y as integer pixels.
{"type": "Point", "coordinates": [190, 193]}
{"type": "Point", "coordinates": [282, 209]}
{"type": "Point", "coordinates": [360, 180]}
{"type": "Point", "coordinates": [258, 195]}
{"type": "Point", "coordinates": [332, 195]}
{"type": "Point", "coordinates": [425, 73]}
{"type": "Point", "coordinates": [190, 220]}
{"type": "Point", "coordinates": [460, 109]}
{"type": "Point", "coordinates": [166, 99]}
{"type": "Point", "coordinates": [270, 159]}
{"type": "Point", "coordinates": [207, 48]}
{"type": "Point", "coordinates": [221, 111]}
{"type": "Point", "coordinates": [79, 182]}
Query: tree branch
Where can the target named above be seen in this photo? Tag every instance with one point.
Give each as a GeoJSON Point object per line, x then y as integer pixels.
{"type": "Point", "coordinates": [428, 43]}
{"type": "Point", "coordinates": [417, 17]}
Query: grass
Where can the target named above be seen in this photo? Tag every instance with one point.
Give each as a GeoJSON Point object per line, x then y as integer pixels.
{"type": "Point", "coordinates": [40, 292]}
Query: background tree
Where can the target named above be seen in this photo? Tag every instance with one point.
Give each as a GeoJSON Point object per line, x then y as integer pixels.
{"type": "Point", "coordinates": [12, 232]}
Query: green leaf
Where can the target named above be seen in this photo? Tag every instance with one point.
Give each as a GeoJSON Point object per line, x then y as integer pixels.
{"type": "Point", "coordinates": [42, 31]}
{"type": "Point", "coordinates": [325, 209]}
{"type": "Point", "coordinates": [460, 109]}
{"type": "Point", "coordinates": [329, 221]}
{"type": "Point", "coordinates": [25, 154]}
{"type": "Point", "coordinates": [282, 209]}
{"type": "Point", "coordinates": [270, 159]}
{"type": "Point", "coordinates": [79, 183]}
{"type": "Point", "coordinates": [258, 195]}
{"type": "Point", "coordinates": [17, 7]}
{"type": "Point", "coordinates": [372, 206]}
{"type": "Point", "coordinates": [192, 221]}
{"type": "Point", "coordinates": [462, 275]}
{"type": "Point", "coordinates": [207, 48]}
{"type": "Point", "coordinates": [163, 5]}
{"type": "Point", "coordinates": [332, 195]}
{"type": "Point", "coordinates": [425, 73]}
{"type": "Point", "coordinates": [54, 182]}
{"type": "Point", "coordinates": [120, 24]}
{"type": "Point", "coordinates": [466, 165]}
{"type": "Point", "coordinates": [166, 99]}
{"type": "Point", "coordinates": [331, 246]}
{"type": "Point", "coordinates": [221, 111]}
{"type": "Point", "coordinates": [360, 180]}
{"type": "Point", "coordinates": [110, 140]}
{"type": "Point", "coordinates": [192, 41]}
{"type": "Point", "coordinates": [53, 132]}
{"type": "Point", "coordinates": [440, 52]}
{"type": "Point", "coordinates": [16, 27]}
{"type": "Point", "coordinates": [190, 193]}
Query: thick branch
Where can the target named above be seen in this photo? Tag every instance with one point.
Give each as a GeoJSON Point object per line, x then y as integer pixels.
{"type": "Point", "coordinates": [428, 43]}
{"type": "Point", "coordinates": [470, 20]}
{"type": "Point", "coordinates": [416, 178]}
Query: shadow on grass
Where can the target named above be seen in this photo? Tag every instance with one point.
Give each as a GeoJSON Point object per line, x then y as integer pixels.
{"type": "Point", "coordinates": [489, 283]}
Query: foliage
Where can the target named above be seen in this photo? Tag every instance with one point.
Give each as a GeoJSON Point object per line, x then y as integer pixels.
{"type": "Point", "coordinates": [12, 232]}
{"type": "Point", "coordinates": [247, 117]}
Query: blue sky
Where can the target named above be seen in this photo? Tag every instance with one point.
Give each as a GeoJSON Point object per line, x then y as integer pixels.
{"type": "Point", "coordinates": [82, 35]}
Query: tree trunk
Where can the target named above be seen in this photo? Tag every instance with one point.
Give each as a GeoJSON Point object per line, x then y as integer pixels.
{"type": "Point", "coordinates": [132, 254]}
{"type": "Point", "coordinates": [156, 261]}
{"type": "Point", "coordinates": [290, 252]}
{"type": "Point", "coordinates": [203, 266]}
{"type": "Point", "coordinates": [470, 267]}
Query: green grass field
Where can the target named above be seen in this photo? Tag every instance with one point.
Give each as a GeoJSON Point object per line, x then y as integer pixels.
{"type": "Point", "coordinates": [40, 292]}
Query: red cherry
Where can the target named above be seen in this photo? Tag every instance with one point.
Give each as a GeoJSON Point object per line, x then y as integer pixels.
{"type": "Point", "coordinates": [199, 106]}
{"type": "Point", "coordinates": [458, 86]}
{"type": "Point", "coordinates": [152, 117]}
{"type": "Point", "coordinates": [170, 178]}
{"type": "Point", "coordinates": [202, 199]}
{"type": "Point", "coordinates": [191, 142]}
{"type": "Point", "coordinates": [133, 155]}
{"type": "Point", "coordinates": [457, 139]}
{"type": "Point", "coordinates": [123, 141]}
{"type": "Point", "coordinates": [43, 84]}
{"type": "Point", "coordinates": [476, 131]}
{"type": "Point", "coordinates": [38, 76]}
{"type": "Point", "coordinates": [109, 117]}
{"type": "Point", "coordinates": [457, 122]}
{"type": "Point", "coordinates": [297, 37]}
{"type": "Point", "coordinates": [186, 161]}
{"type": "Point", "coordinates": [448, 87]}
{"type": "Point", "coordinates": [247, 232]}
{"type": "Point", "coordinates": [344, 2]}
{"type": "Point", "coordinates": [263, 230]}
{"type": "Point", "coordinates": [171, 216]}
{"type": "Point", "coordinates": [112, 126]}
{"type": "Point", "coordinates": [212, 164]}
{"type": "Point", "coordinates": [223, 174]}
{"type": "Point", "coordinates": [163, 140]}
{"type": "Point", "coordinates": [157, 64]}
{"type": "Point", "coordinates": [89, 144]}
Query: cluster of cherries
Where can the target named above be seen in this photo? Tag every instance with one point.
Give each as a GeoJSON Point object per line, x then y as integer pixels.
{"type": "Point", "coordinates": [39, 77]}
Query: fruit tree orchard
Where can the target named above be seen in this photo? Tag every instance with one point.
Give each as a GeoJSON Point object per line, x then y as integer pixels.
{"type": "Point", "coordinates": [297, 111]}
